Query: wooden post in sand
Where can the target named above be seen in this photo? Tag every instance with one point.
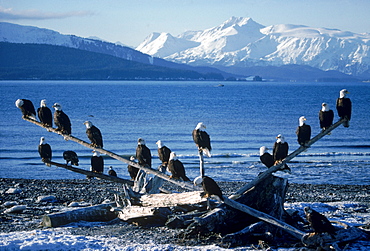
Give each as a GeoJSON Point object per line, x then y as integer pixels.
{"type": "Point", "coordinates": [201, 162]}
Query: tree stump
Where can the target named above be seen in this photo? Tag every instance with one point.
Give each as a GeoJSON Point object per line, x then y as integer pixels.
{"type": "Point", "coordinates": [268, 197]}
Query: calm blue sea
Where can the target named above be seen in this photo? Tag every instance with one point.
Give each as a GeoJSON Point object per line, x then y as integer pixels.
{"type": "Point", "coordinates": [240, 118]}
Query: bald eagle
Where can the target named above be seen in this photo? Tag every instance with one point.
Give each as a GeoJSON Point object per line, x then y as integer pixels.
{"type": "Point", "coordinates": [280, 151]}
{"type": "Point", "coordinates": [163, 153]}
{"type": "Point", "coordinates": [176, 168]}
{"type": "Point", "coordinates": [27, 108]}
{"type": "Point", "coordinates": [97, 163]}
{"type": "Point", "coordinates": [318, 222]}
{"type": "Point", "coordinates": [344, 107]}
{"type": "Point", "coordinates": [111, 172]}
{"type": "Point", "coordinates": [210, 187]}
{"type": "Point", "coordinates": [71, 156]}
{"type": "Point", "coordinates": [281, 148]}
{"type": "Point", "coordinates": [202, 139]}
{"type": "Point", "coordinates": [94, 134]}
{"type": "Point", "coordinates": [44, 114]}
{"type": "Point", "coordinates": [44, 150]}
{"type": "Point", "coordinates": [132, 170]}
{"type": "Point", "coordinates": [266, 158]}
{"type": "Point", "coordinates": [303, 132]}
{"type": "Point", "coordinates": [143, 154]}
{"type": "Point", "coordinates": [326, 116]}
{"type": "Point", "coordinates": [61, 120]}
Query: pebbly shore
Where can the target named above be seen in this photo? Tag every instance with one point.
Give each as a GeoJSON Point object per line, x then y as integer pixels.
{"type": "Point", "coordinates": [64, 193]}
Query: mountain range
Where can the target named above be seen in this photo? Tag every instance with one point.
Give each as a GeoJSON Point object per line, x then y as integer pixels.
{"type": "Point", "coordinates": [243, 43]}
{"type": "Point", "coordinates": [238, 48]}
{"type": "Point", "coordinates": [19, 34]}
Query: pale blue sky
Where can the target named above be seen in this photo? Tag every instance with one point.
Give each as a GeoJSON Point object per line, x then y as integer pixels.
{"type": "Point", "coordinates": [131, 21]}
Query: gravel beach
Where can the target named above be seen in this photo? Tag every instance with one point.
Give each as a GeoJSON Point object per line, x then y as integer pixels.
{"type": "Point", "coordinates": [91, 192]}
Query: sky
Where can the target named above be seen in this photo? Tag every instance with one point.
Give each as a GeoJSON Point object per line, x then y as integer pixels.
{"type": "Point", "coordinates": [131, 21]}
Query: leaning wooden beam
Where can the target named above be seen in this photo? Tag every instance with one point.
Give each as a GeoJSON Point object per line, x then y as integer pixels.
{"type": "Point", "coordinates": [280, 165]}
{"type": "Point", "coordinates": [182, 184]}
{"type": "Point", "coordinates": [265, 217]}
{"type": "Point", "coordinates": [92, 174]}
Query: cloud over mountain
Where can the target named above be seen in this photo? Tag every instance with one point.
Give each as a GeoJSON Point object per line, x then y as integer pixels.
{"type": "Point", "coordinates": [10, 14]}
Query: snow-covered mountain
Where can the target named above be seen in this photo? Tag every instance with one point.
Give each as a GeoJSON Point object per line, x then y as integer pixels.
{"type": "Point", "coordinates": [14, 33]}
{"type": "Point", "coordinates": [242, 42]}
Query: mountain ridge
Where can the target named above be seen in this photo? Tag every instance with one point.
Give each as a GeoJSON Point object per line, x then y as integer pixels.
{"type": "Point", "coordinates": [13, 33]}
{"type": "Point", "coordinates": [242, 42]}
{"type": "Point", "coordinates": [43, 61]}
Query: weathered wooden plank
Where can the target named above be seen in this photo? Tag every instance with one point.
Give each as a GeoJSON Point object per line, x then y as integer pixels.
{"type": "Point", "coordinates": [186, 185]}
{"type": "Point", "coordinates": [145, 216]}
{"type": "Point", "coordinates": [94, 213]}
{"type": "Point", "coordinates": [92, 174]}
{"type": "Point", "coordinates": [136, 212]}
{"type": "Point", "coordinates": [170, 200]}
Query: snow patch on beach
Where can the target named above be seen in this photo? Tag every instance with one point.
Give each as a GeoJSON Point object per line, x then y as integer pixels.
{"type": "Point", "coordinates": [350, 213]}
{"type": "Point", "coordinates": [60, 239]}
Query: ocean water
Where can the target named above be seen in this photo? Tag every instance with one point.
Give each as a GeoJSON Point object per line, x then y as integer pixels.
{"type": "Point", "coordinates": [240, 118]}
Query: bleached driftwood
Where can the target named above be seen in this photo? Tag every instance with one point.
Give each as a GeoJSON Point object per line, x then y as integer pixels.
{"type": "Point", "coordinates": [157, 173]}
{"type": "Point", "coordinates": [94, 213]}
{"type": "Point", "coordinates": [170, 200]}
{"type": "Point", "coordinates": [92, 174]}
{"type": "Point", "coordinates": [153, 209]}
{"type": "Point", "coordinates": [145, 216]}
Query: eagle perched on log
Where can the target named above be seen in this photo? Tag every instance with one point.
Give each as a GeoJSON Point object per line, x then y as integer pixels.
{"type": "Point", "coordinates": [318, 222]}
{"type": "Point", "coordinates": [202, 139]}
{"type": "Point", "coordinates": [176, 168]}
{"type": "Point", "coordinates": [94, 134]}
{"type": "Point", "coordinates": [27, 108]}
{"type": "Point", "coordinates": [344, 107]}
{"type": "Point", "coordinates": [45, 152]}
{"type": "Point", "coordinates": [61, 120]}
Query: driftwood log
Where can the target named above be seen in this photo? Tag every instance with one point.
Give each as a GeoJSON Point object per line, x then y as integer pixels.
{"type": "Point", "coordinates": [327, 242]}
{"type": "Point", "coordinates": [268, 198]}
{"type": "Point", "coordinates": [94, 213]}
{"type": "Point", "coordinates": [92, 174]}
{"type": "Point", "coordinates": [153, 209]}
{"type": "Point", "coordinates": [186, 185]}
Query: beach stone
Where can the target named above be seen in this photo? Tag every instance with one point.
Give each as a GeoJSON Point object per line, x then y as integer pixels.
{"type": "Point", "coordinates": [10, 203]}
{"type": "Point", "coordinates": [13, 190]}
{"type": "Point", "coordinates": [46, 198]}
{"type": "Point", "coordinates": [74, 204]}
{"type": "Point", "coordinates": [15, 209]}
